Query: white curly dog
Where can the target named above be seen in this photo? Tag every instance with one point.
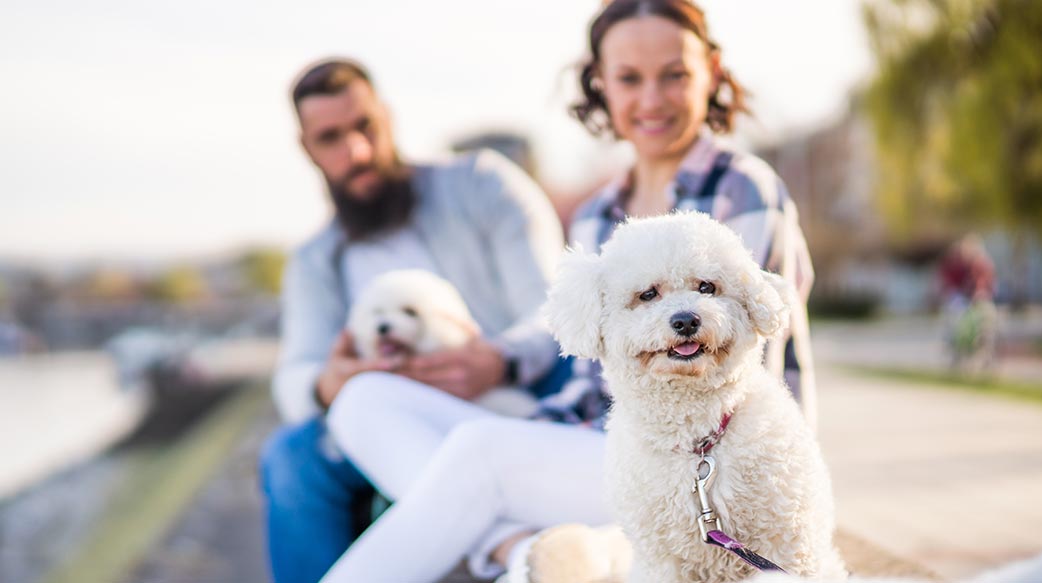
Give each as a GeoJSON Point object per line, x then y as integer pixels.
{"type": "Point", "coordinates": [411, 311]}
{"type": "Point", "coordinates": [677, 311]}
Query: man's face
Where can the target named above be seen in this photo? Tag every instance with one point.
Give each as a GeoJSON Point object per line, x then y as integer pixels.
{"type": "Point", "coordinates": [348, 136]}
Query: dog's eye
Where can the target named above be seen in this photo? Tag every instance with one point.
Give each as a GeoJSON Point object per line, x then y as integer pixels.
{"type": "Point", "coordinates": [648, 295]}
{"type": "Point", "coordinates": [411, 312]}
{"type": "Point", "coordinates": [706, 288]}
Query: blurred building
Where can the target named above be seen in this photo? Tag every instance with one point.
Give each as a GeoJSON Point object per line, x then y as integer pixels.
{"type": "Point", "coordinates": [514, 146]}
{"type": "Point", "coordinates": [518, 149]}
{"type": "Point", "coordinates": [85, 306]}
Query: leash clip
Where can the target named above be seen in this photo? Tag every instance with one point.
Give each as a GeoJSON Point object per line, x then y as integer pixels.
{"type": "Point", "coordinates": [709, 524]}
{"type": "Point", "coordinates": [707, 519]}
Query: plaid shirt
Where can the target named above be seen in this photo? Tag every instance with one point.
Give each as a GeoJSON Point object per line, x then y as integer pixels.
{"type": "Point", "coordinates": [744, 193]}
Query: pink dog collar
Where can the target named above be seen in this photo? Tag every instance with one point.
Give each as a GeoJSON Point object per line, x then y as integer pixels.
{"type": "Point", "coordinates": [704, 445]}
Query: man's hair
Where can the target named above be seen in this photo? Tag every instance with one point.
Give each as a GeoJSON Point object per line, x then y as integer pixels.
{"type": "Point", "coordinates": [328, 77]}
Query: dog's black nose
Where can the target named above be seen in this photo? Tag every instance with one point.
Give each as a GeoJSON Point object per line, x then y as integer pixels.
{"type": "Point", "coordinates": [685, 323]}
{"type": "Point", "coordinates": [383, 329]}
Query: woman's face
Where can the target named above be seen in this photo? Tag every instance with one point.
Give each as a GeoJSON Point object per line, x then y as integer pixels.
{"type": "Point", "coordinates": [657, 80]}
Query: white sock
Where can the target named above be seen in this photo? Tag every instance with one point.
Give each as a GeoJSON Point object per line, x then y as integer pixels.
{"type": "Point", "coordinates": [517, 560]}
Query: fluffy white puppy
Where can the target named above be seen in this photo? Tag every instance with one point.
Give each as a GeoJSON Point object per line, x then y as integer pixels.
{"type": "Point", "coordinates": [407, 312]}
{"type": "Point", "coordinates": [677, 312]}
{"type": "Point", "coordinates": [412, 311]}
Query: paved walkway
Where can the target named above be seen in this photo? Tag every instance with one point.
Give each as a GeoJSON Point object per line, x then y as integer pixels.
{"type": "Point", "coordinates": [220, 536]}
{"type": "Point", "coordinates": [947, 478]}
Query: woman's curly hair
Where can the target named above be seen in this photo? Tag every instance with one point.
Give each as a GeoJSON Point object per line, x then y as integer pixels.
{"type": "Point", "coordinates": [592, 110]}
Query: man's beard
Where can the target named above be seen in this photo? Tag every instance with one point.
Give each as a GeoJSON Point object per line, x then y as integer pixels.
{"type": "Point", "coordinates": [388, 207]}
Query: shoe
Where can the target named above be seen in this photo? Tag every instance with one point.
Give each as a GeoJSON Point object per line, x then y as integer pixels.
{"type": "Point", "coordinates": [571, 553]}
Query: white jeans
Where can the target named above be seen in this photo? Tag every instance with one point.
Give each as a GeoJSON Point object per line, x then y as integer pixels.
{"type": "Point", "coordinates": [463, 479]}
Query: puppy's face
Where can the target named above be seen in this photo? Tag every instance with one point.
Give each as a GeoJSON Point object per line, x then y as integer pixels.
{"type": "Point", "coordinates": [673, 296]}
{"type": "Point", "coordinates": [390, 326]}
{"type": "Point", "coordinates": [407, 312]}
{"type": "Point", "coordinates": [676, 322]}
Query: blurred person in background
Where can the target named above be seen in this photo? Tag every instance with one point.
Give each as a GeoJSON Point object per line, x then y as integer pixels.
{"type": "Point", "coordinates": [967, 272]}
{"type": "Point", "coordinates": [967, 291]}
{"type": "Point", "coordinates": [476, 220]}
{"type": "Point", "coordinates": [654, 78]}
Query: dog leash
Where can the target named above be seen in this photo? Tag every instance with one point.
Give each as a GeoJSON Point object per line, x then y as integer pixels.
{"type": "Point", "coordinates": [708, 522]}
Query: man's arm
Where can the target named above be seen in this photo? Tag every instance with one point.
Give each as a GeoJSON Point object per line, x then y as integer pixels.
{"type": "Point", "coordinates": [526, 241]}
{"type": "Point", "coordinates": [312, 316]}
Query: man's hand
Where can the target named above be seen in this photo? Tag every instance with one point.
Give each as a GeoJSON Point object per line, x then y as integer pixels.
{"type": "Point", "coordinates": [466, 372]}
{"type": "Point", "coordinates": [343, 363]}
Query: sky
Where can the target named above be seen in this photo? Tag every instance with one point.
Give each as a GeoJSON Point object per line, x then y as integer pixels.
{"type": "Point", "coordinates": [153, 131]}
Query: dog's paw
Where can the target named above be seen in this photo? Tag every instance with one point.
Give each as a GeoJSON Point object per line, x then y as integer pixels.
{"type": "Point", "coordinates": [573, 553]}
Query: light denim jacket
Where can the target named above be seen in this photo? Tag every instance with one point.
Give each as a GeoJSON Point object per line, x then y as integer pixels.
{"type": "Point", "coordinates": [491, 232]}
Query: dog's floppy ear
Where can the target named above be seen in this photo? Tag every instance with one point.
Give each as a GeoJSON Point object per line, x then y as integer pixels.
{"type": "Point", "coordinates": [768, 300]}
{"type": "Point", "coordinates": [575, 303]}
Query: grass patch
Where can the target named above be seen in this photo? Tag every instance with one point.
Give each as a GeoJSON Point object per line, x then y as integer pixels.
{"type": "Point", "coordinates": [161, 481]}
{"type": "Point", "coordinates": [1016, 389]}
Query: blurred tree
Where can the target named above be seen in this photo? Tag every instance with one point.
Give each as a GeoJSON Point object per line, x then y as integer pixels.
{"type": "Point", "coordinates": [262, 269]}
{"type": "Point", "coordinates": [180, 285]}
{"type": "Point", "coordinates": [957, 110]}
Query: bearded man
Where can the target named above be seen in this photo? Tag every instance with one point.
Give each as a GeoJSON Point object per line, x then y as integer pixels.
{"type": "Point", "coordinates": [476, 220]}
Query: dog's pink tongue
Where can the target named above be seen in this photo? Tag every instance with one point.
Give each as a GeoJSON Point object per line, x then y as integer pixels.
{"type": "Point", "coordinates": [388, 348]}
{"type": "Point", "coordinates": [687, 349]}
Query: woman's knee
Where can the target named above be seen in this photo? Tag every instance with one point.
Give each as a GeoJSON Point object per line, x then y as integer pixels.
{"type": "Point", "coordinates": [471, 443]}
{"type": "Point", "coordinates": [364, 397]}
{"type": "Point", "coordinates": [364, 391]}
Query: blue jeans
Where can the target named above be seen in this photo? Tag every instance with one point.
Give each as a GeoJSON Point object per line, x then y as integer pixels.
{"type": "Point", "coordinates": [317, 502]}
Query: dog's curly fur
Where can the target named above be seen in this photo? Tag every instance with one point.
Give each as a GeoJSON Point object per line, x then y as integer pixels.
{"type": "Point", "coordinates": [406, 312]}
{"type": "Point", "coordinates": [772, 490]}
{"type": "Point", "coordinates": [411, 310]}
